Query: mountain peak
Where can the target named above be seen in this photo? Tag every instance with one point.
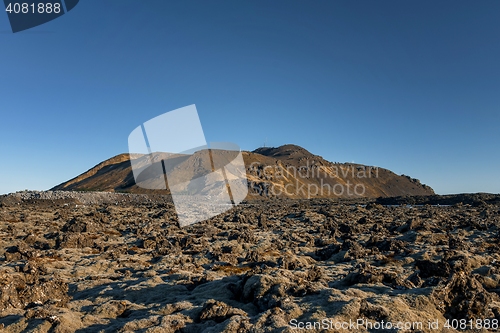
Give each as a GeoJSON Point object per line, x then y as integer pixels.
{"type": "Point", "coordinates": [284, 152]}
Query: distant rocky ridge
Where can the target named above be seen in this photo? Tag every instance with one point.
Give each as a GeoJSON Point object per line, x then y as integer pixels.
{"type": "Point", "coordinates": [287, 171]}
{"type": "Point", "coordinates": [84, 198]}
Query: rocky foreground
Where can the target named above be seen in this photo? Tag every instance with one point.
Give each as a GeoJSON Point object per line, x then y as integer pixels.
{"type": "Point", "coordinates": [119, 263]}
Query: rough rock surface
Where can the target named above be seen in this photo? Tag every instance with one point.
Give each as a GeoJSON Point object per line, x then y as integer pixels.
{"type": "Point", "coordinates": [93, 262]}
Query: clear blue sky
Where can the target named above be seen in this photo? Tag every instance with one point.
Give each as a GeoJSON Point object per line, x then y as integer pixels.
{"type": "Point", "coordinates": [412, 86]}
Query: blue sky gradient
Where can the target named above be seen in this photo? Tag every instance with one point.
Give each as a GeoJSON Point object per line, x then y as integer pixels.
{"type": "Point", "coordinates": [409, 86]}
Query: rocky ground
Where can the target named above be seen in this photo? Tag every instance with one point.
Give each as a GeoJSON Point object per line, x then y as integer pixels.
{"type": "Point", "coordinates": [90, 262]}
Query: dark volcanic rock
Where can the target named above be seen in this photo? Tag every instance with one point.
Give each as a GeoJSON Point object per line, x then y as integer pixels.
{"type": "Point", "coordinates": [465, 297]}
{"type": "Point", "coordinates": [429, 268]}
{"type": "Point", "coordinates": [23, 289]}
{"type": "Point", "coordinates": [125, 266]}
{"type": "Point", "coordinates": [218, 311]}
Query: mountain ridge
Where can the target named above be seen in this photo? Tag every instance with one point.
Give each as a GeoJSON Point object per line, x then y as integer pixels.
{"type": "Point", "coordinates": [288, 171]}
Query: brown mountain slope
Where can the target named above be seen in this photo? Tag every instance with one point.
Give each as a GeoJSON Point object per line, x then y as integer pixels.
{"type": "Point", "coordinates": [286, 171]}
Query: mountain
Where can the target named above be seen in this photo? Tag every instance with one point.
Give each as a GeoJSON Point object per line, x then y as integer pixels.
{"type": "Point", "coordinates": [287, 152]}
{"type": "Point", "coordinates": [286, 171]}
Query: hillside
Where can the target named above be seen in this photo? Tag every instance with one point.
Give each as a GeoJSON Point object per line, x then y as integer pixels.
{"type": "Point", "coordinates": [287, 171]}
